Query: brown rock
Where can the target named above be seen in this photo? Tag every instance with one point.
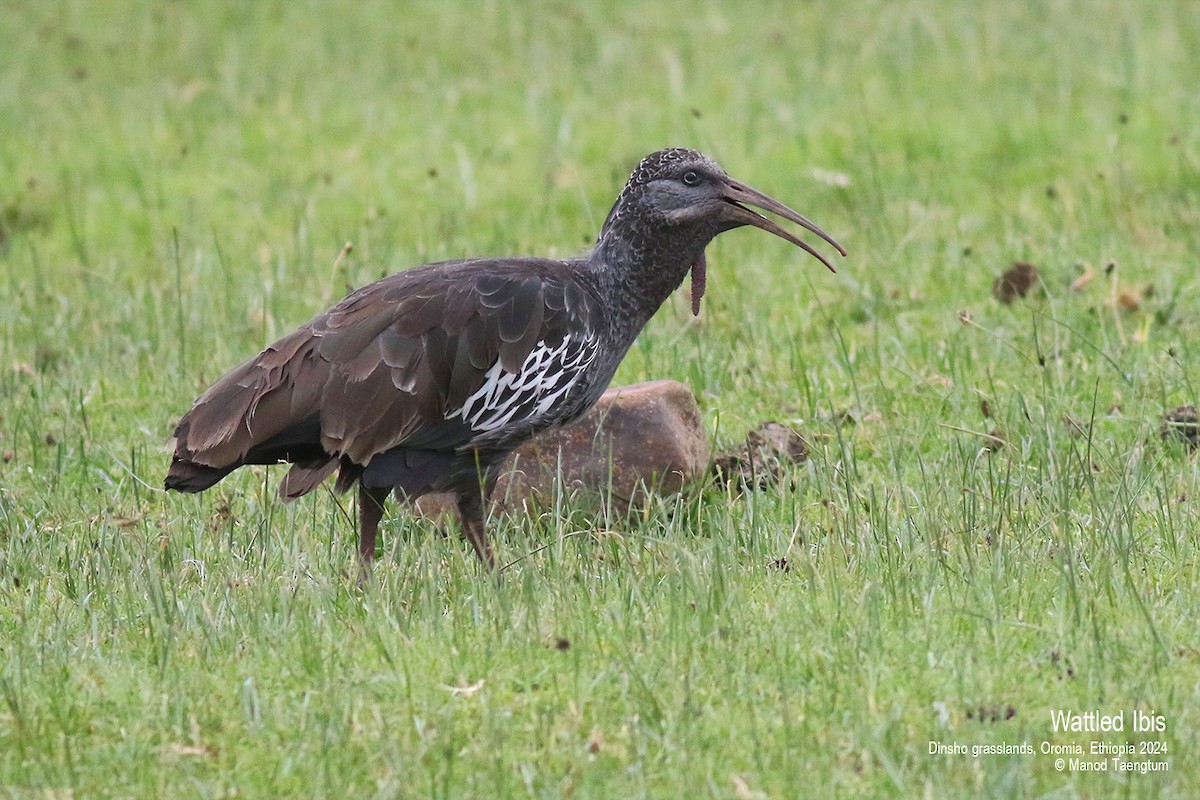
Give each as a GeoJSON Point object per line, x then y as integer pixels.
{"type": "Point", "coordinates": [638, 437]}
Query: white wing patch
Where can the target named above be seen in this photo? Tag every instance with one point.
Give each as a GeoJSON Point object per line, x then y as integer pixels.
{"type": "Point", "coordinates": [545, 376]}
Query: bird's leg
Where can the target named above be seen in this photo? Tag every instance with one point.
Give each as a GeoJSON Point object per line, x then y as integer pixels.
{"type": "Point", "coordinates": [370, 511]}
{"type": "Point", "coordinates": [470, 509]}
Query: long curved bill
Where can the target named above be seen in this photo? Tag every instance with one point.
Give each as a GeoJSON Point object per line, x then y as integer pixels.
{"type": "Point", "coordinates": [738, 196]}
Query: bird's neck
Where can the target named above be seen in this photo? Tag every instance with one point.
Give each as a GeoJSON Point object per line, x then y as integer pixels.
{"type": "Point", "coordinates": [637, 271]}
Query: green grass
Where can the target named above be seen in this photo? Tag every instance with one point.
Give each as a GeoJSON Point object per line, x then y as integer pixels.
{"type": "Point", "coordinates": [176, 183]}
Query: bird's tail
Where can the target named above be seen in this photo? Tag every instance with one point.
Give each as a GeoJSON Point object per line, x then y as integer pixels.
{"type": "Point", "coordinates": [186, 476]}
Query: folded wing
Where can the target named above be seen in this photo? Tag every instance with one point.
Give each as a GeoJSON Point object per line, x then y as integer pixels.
{"type": "Point", "coordinates": [419, 365]}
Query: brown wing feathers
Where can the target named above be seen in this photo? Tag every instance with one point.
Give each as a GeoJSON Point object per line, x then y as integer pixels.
{"type": "Point", "coordinates": [519, 323]}
{"type": "Point", "coordinates": [381, 368]}
{"type": "Point", "coordinates": [244, 403]}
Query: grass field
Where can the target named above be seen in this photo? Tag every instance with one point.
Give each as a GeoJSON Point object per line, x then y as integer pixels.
{"type": "Point", "coordinates": [177, 181]}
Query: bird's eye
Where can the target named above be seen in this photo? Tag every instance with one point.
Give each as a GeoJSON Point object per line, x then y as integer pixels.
{"type": "Point", "coordinates": [691, 177]}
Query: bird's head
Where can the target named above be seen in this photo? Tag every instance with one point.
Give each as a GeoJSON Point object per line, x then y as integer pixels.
{"type": "Point", "coordinates": [685, 191]}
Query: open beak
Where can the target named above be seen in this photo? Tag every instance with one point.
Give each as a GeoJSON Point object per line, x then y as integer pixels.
{"type": "Point", "coordinates": [737, 196]}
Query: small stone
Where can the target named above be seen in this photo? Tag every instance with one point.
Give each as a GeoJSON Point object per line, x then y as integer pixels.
{"type": "Point", "coordinates": [1129, 301]}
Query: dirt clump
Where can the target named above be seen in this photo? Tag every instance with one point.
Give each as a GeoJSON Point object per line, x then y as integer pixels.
{"type": "Point", "coordinates": [991, 713]}
{"type": "Point", "coordinates": [762, 460]}
{"type": "Point", "coordinates": [994, 441]}
{"type": "Point", "coordinates": [1182, 423]}
{"type": "Point", "coordinates": [1017, 281]}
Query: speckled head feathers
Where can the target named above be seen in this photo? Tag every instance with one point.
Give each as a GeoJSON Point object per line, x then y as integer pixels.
{"type": "Point", "coordinates": [666, 163]}
{"type": "Point", "coordinates": [660, 165]}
